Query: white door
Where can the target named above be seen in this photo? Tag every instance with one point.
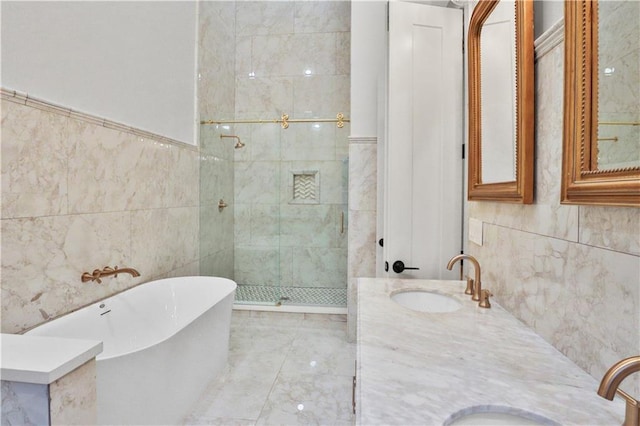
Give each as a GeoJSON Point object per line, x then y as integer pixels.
{"type": "Point", "coordinates": [423, 194]}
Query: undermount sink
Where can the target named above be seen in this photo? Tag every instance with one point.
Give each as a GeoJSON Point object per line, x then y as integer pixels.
{"type": "Point", "coordinates": [426, 301]}
{"type": "Point", "coordinates": [498, 418]}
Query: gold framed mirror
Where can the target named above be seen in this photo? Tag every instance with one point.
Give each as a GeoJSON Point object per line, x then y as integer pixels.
{"type": "Point", "coordinates": [601, 140]}
{"type": "Point", "coordinates": [501, 102]}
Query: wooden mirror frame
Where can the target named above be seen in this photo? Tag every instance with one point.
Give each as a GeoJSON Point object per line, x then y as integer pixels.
{"type": "Point", "coordinates": [582, 183]}
{"type": "Point", "coordinates": [521, 189]}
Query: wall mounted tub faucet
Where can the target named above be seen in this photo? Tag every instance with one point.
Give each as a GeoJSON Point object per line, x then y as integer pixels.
{"type": "Point", "coordinates": [609, 387]}
{"type": "Point", "coordinates": [105, 272]}
{"type": "Point", "coordinates": [474, 286]}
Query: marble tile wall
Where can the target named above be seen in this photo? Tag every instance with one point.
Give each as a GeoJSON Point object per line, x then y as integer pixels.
{"type": "Point", "coordinates": [572, 273]}
{"type": "Point", "coordinates": [77, 196]}
{"type": "Point", "coordinates": [70, 400]}
{"type": "Point", "coordinates": [279, 240]}
{"type": "Point", "coordinates": [362, 218]}
{"type": "Point", "coordinates": [73, 398]}
{"type": "Point", "coordinates": [216, 100]}
{"type": "Point", "coordinates": [24, 404]}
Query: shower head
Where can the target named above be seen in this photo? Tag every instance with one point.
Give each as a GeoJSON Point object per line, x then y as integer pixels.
{"type": "Point", "coordinates": [239, 144]}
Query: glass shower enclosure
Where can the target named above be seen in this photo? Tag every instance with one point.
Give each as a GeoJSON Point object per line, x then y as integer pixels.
{"type": "Point", "coordinates": [276, 217]}
{"type": "Point", "coordinates": [274, 209]}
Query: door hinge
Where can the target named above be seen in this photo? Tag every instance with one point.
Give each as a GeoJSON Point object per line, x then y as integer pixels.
{"type": "Point", "coordinates": [463, 150]}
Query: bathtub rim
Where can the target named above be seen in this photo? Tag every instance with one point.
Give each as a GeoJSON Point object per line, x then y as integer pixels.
{"type": "Point", "coordinates": [86, 305]}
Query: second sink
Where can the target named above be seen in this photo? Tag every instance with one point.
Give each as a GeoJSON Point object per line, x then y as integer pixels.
{"type": "Point", "coordinates": [426, 301]}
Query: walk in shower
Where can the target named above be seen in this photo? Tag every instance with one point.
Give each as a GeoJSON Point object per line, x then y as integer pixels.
{"type": "Point", "coordinates": [274, 163]}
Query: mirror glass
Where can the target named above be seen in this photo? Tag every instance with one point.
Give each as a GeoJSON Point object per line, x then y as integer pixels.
{"type": "Point", "coordinates": [618, 85]}
{"type": "Point", "coordinates": [501, 102]}
{"type": "Point", "coordinates": [498, 94]}
{"type": "Point", "coordinates": [601, 133]}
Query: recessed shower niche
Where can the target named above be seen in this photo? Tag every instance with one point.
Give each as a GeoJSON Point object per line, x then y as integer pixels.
{"type": "Point", "coordinates": [306, 187]}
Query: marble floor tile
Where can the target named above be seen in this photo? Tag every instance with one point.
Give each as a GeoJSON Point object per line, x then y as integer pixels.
{"type": "Point", "coordinates": [308, 400]}
{"type": "Point", "coordinates": [282, 369]}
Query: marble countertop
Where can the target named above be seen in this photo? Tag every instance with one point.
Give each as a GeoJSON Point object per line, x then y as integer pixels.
{"type": "Point", "coordinates": [43, 360]}
{"type": "Point", "coordinates": [416, 368]}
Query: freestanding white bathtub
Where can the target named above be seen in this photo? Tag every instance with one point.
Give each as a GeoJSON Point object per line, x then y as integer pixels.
{"type": "Point", "coordinates": [163, 342]}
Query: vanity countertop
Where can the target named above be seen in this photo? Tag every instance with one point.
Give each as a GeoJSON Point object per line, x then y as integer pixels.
{"type": "Point", "coordinates": [416, 368]}
{"type": "Point", "coordinates": [43, 360]}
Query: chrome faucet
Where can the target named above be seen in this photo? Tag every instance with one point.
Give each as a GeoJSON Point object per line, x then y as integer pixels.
{"type": "Point", "coordinates": [474, 287]}
{"type": "Point", "coordinates": [609, 387]}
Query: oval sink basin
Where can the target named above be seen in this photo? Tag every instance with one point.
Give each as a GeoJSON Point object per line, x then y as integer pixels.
{"type": "Point", "coordinates": [496, 419]}
{"type": "Point", "coordinates": [426, 301]}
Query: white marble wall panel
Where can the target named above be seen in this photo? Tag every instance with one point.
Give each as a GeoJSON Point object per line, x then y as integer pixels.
{"type": "Point", "coordinates": [189, 270]}
{"type": "Point", "coordinates": [320, 267]}
{"type": "Point", "coordinates": [43, 259]}
{"type": "Point", "coordinates": [172, 246]}
{"type": "Point", "coordinates": [265, 225]}
{"type": "Point", "coordinates": [74, 398]}
{"type": "Point", "coordinates": [216, 229]}
{"type": "Point", "coordinates": [241, 225]}
{"type": "Point", "coordinates": [220, 264]}
{"type": "Point", "coordinates": [580, 298]}
{"type": "Point", "coordinates": [212, 144]}
{"type": "Point", "coordinates": [216, 50]}
{"type": "Point", "coordinates": [104, 172]}
{"type": "Point", "coordinates": [362, 177]}
{"type": "Point", "coordinates": [34, 162]}
{"type": "Point", "coordinates": [362, 243]}
{"type": "Point", "coordinates": [363, 173]}
{"type": "Point", "coordinates": [321, 96]}
{"type": "Point", "coordinates": [286, 266]}
{"type": "Point", "coordinates": [263, 97]}
{"type": "Point", "coordinates": [259, 17]}
{"type": "Point", "coordinates": [309, 141]}
{"type": "Point", "coordinates": [322, 16]}
{"type": "Point", "coordinates": [257, 182]}
{"type": "Point", "coordinates": [293, 54]}
{"type": "Point", "coordinates": [216, 180]}
{"type": "Point", "coordinates": [263, 142]}
{"type": "Point", "coordinates": [569, 272]}
{"type": "Point", "coordinates": [24, 404]}
{"type": "Point", "coordinates": [343, 53]}
{"type": "Point", "coordinates": [113, 171]}
{"type": "Point", "coordinates": [243, 63]}
{"type": "Point", "coordinates": [609, 227]}
{"type": "Point", "coordinates": [307, 225]}
{"type": "Point", "coordinates": [257, 266]}
{"type": "Point", "coordinates": [183, 175]}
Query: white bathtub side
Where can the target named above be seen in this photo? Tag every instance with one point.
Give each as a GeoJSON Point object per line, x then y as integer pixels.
{"type": "Point", "coordinates": [160, 384]}
{"type": "Point", "coordinates": [140, 317]}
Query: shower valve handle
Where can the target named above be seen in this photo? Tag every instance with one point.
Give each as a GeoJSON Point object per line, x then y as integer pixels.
{"type": "Point", "coordinates": [398, 267]}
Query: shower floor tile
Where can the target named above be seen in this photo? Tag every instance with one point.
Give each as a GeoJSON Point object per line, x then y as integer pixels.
{"type": "Point", "coordinates": [314, 296]}
{"type": "Point", "coordinates": [283, 369]}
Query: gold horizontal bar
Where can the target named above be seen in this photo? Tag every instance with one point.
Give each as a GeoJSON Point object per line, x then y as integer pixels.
{"type": "Point", "coordinates": [614, 139]}
{"type": "Point", "coordinates": [619, 123]}
{"type": "Point", "coordinates": [284, 121]}
{"type": "Point", "coordinates": [239, 121]}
